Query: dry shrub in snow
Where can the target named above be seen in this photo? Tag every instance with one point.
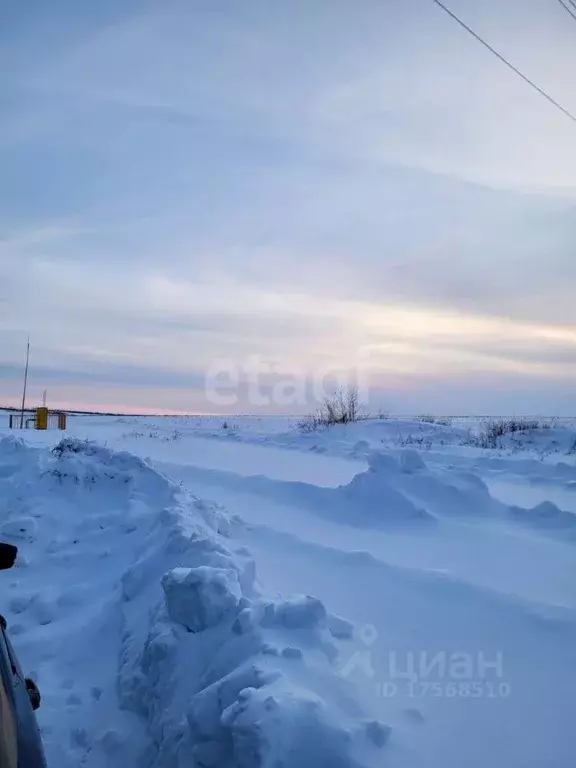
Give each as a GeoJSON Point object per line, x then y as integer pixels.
{"type": "Point", "coordinates": [493, 431]}
{"type": "Point", "coordinates": [342, 407]}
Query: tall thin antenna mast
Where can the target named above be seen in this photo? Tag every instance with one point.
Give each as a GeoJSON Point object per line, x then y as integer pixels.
{"type": "Point", "coordinates": [25, 385]}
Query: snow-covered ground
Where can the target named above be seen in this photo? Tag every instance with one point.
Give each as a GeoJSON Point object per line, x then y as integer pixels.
{"type": "Point", "coordinates": [194, 593]}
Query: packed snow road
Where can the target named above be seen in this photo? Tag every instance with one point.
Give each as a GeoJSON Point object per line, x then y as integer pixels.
{"type": "Point", "coordinates": [249, 596]}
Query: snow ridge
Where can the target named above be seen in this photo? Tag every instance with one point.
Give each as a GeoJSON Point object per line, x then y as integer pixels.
{"type": "Point", "coordinates": [146, 598]}
{"type": "Point", "coordinates": [223, 675]}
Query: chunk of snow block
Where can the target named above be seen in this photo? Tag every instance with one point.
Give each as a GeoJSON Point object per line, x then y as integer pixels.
{"type": "Point", "coordinates": [207, 706]}
{"type": "Point", "coordinates": [287, 727]}
{"type": "Point", "coordinates": [246, 620]}
{"type": "Point", "coordinates": [305, 612]}
{"type": "Point", "coordinates": [247, 576]}
{"type": "Point", "coordinates": [200, 598]}
{"type": "Point", "coordinates": [411, 461]}
{"type": "Point", "coordinates": [340, 628]}
{"type": "Point", "coordinates": [378, 733]}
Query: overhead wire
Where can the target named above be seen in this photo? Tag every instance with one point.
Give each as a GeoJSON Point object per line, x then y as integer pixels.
{"type": "Point", "coordinates": [505, 61]}
{"type": "Point", "coordinates": [568, 9]}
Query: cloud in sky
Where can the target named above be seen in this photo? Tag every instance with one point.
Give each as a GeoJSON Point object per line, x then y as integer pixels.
{"type": "Point", "coordinates": [310, 183]}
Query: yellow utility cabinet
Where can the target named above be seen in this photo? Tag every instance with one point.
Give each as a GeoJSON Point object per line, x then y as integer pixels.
{"type": "Point", "coordinates": [41, 418]}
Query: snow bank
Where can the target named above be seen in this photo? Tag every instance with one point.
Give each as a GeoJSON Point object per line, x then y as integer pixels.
{"type": "Point", "coordinates": [224, 676]}
{"type": "Point", "coordinates": [403, 487]}
{"type": "Point", "coordinates": [397, 490]}
{"type": "Point", "coordinates": [546, 517]}
{"type": "Point", "coordinates": [374, 493]}
{"type": "Point", "coordinates": [132, 590]}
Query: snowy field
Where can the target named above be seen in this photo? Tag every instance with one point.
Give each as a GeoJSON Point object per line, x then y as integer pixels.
{"type": "Point", "coordinates": [233, 595]}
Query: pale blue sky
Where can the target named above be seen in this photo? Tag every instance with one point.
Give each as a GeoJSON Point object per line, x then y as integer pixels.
{"type": "Point", "coordinates": [309, 182]}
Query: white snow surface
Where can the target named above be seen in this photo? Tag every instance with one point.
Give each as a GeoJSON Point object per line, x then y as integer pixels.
{"type": "Point", "coordinates": [190, 595]}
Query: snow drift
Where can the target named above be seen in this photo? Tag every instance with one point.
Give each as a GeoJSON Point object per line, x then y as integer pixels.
{"type": "Point", "coordinates": [137, 607]}
{"type": "Point", "coordinates": [153, 642]}
{"type": "Point", "coordinates": [394, 491]}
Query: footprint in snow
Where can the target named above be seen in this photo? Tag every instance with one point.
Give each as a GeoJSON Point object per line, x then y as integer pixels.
{"type": "Point", "coordinates": [43, 610]}
{"type": "Point", "coordinates": [96, 693]}
{"type": "Point", "coordinates": [79, 737]}
{"type": "Point", "coordinates": [19, 604]}
{"type": "Point", "coordinates": [111, 742]}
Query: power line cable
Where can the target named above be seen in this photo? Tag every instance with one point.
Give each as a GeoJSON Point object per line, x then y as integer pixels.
{"type": "Point", "coordinates": [568, 9]}
{"type": "Point", "coordinates": [505, 61]}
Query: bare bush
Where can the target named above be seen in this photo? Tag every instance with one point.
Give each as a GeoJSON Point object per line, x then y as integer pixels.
{"type": "Point", "coordinates": [493, 431]}
{"type": "Point", "coordinates": [310, 423]}
{"type": "Point", "coordinates": [343, 407]}
{"type": "Point", "coordinates": [426, 418]}
{"type": "Point", "coordinates": [422, 441]}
